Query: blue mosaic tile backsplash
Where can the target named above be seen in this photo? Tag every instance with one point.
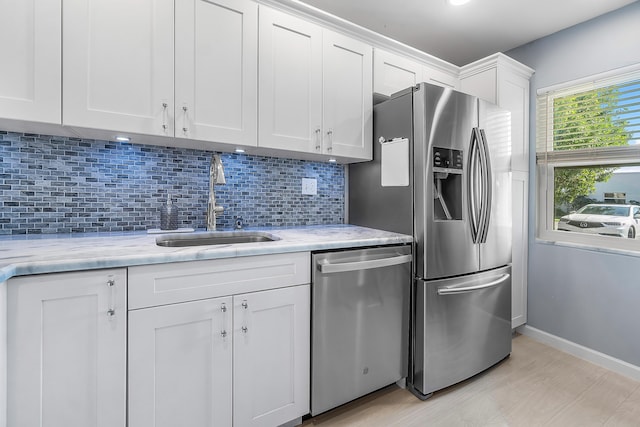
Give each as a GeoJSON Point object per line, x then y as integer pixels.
{"type": "Point", "coordinates": [51, 184]}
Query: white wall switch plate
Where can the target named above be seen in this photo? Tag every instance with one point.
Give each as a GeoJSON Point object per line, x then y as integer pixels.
{"type": "Point", "coordinates": [310, 186]}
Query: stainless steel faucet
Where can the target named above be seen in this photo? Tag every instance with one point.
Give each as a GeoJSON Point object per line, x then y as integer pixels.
{"type": "Point", "coordinates": [216, 176]}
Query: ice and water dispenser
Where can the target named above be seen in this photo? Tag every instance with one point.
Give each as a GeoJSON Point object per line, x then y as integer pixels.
{"type": "Point", "coordinates": [447, 184]}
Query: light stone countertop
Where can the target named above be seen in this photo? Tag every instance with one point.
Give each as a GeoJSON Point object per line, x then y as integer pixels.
{"type": "Point", "coordinates": [36, 254]}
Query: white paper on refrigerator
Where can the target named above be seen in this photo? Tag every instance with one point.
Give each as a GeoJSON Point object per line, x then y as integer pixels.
{"type": "Point", "coordinates": [395, 163]}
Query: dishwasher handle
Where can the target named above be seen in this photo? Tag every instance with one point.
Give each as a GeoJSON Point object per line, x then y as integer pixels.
{"type": "Point", "coordinates": [445, 290]}
{"type": "Point", "coordinates": [327, 267]}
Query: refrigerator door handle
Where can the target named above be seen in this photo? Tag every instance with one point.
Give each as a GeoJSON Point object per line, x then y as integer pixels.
{"type": "Point", "coordinates": [326, 267]}
{"type": "Point", "coordinates": [451, 290]}
{"type": "Point", "coordinates": [487, 184]}
{"type": "Point", "coordinates": [473, 185]}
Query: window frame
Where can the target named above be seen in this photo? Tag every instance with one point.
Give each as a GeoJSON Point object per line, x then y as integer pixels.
{"type": "Point", "coordinates": [544, 166]}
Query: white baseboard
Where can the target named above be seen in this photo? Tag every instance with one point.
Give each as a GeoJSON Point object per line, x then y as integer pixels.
{"type": "Point", "coordinates": [616, 365]}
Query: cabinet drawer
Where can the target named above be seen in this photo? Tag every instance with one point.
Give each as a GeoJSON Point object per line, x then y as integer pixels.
{"type": "Point", "coordinates": [153, 285]}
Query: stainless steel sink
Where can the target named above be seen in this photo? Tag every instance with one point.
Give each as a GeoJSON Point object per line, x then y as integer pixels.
{"type": "Point", "coordinates": [214, 238]}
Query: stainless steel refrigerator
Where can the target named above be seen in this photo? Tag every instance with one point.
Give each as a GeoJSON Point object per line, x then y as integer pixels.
{"type": "Point", "coordinates": [441, 172]}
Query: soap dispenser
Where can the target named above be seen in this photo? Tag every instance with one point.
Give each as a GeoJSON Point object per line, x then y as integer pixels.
{"type": "Point", "coordinates": [169, 215]}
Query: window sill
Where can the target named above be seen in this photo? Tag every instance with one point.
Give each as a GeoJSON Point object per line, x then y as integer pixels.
{"type": "Point", "coordinates": [587, 246]}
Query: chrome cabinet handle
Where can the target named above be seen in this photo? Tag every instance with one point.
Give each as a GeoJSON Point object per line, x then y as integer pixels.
{"type": "Point", "coordinates": [445, 290]}
{"type": "Point", "coordinates": [244, 327]}
{"type": "Point", "coordinates": [164, 116]}
{"type": "Point", "coordinates": [185, 129]}
{"type": "Point", "coordinates": [223, 309]}
{"type": "Point", "coordinates": [318, 144]}
{"type": "Point", "coordinates": [330, 135]}
{"type": "Point", "coordinates": [112, 310]}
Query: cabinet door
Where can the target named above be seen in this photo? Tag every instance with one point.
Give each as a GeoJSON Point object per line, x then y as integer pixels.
{"type": "Point", "coordinates": [180, 365]}
{"type": "Point", "coordinates": [348, 97]}
{"type": "Point", "coordinates": [513, 95]}
{"type": "Point", "coordinates": [118, 65]}
{"type": "Point", "coordinates": [483, 84]}
{"type": "Point", "coordinates": [67, 350]}
{"type": "Point", "coordinates": [392, 73]}
{"type": "Point", "coordinates": [217, 70]}
{"type": "Point", "coordinates": [520, 200]}
{"type": "Point", "coordinates": [271, 356]}
{"type": "Point", "coordinates": [30, 77]}
{"type": "Point", "coordinates": [290, 85]}
{"type": "Point", "coordinates": [438, 77]}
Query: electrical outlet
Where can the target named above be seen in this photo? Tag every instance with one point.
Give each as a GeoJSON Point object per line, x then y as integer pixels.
{"type": "Point", "coordinates": [310, 186]}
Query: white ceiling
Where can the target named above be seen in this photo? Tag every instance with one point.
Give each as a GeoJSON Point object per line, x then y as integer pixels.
{"type": "Point", "coordinates": [463, 34]}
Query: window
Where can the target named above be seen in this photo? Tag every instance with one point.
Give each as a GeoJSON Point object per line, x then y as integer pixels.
{"type": "Point", "coordinates": [615, 198]}
{"type": "Point", "coordinates": [588, 161]}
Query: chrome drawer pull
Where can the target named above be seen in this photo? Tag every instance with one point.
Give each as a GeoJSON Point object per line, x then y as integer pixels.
{"type": "Point", "coordinates": [453, 290]}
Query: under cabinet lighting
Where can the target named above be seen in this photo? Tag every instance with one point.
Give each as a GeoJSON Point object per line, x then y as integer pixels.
{"type": "Point", "coordinates": [332, 160]}
{"type": "Point", "coordinates": [123, 139]}
{"type": "Point", "coordinates": [239, 150]}
{"type": "Point", "coordinates": [457, 2]}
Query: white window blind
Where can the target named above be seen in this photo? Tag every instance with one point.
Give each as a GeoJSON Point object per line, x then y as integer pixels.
{"type": "Point", "coordinates": [597, 121]}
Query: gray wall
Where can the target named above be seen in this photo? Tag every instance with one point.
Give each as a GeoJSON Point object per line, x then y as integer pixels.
{"type": "Point", "coordinates": [587, 297]}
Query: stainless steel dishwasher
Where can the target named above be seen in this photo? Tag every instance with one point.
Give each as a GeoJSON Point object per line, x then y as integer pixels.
{"type": "Point", "coordinates": [359, 323]}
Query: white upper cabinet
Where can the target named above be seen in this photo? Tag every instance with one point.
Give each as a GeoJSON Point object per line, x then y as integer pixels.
{"type": "Point", "coordinates": [119, 61]}
{"type": "Point", "coordinates": [315, 89]}
{"type": "Point", "coordinates": [347, 97]}
{"type": "Point", "coordinates": [290, 101]}
{"type": "Point", "coordinates": [505, 82]}
{"type": "Point", "coordinates": [30, 76]}
{"type": "Point", "coordinates": [216, 63]}
{"type": "Point", "coordinates": [118, 65]}
{"type": "Point", "coordinates": [438, 77]}
{"type": "Point", "coordinates": [392, 73]}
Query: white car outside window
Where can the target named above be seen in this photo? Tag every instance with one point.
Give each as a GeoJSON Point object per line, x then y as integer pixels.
{"type": "Point", "coordinates": [604, 219]}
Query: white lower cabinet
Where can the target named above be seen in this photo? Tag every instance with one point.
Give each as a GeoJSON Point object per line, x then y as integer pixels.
{"type": "Point", "coordinates": [239, 360]}
{"type": "Point", "coordinates": [66, 349]}
{"type": "Point", "coordinates": [219, 343]}
{"type": "Point", "coordinates": [180, 364]}
{"type": "Point", "coordinates": [271, 344]}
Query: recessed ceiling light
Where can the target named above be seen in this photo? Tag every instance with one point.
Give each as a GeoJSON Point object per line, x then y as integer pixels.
{"type": "Point", "coordinates": [458, 2]}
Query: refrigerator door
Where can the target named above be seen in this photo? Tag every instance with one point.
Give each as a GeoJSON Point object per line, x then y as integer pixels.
{"type": "Point", "coordinates": [443, 127]}
{"type": "Point", "coordinates": [462, 327]}
{"type": "Point", "coordinates": [495, 129]}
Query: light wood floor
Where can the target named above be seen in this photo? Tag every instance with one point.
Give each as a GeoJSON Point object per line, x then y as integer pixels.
{"type": "Point", "coordinates": [536, 386]}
